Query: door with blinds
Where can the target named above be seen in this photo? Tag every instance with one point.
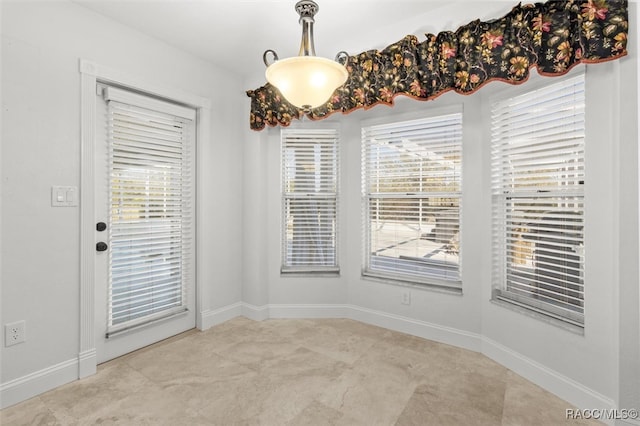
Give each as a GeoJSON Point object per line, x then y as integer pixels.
{"type": "Point", "coordinates": [145, 251]}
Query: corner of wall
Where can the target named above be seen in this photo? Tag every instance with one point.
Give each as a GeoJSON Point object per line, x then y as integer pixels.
{"type": "Point", "coordinates": [629, 218]}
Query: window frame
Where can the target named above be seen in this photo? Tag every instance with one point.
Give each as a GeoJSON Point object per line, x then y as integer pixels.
{"type": "Point", "coordinates": [424, 281]}
{"type": "Point", "coordinates": [499, 293]}
{"type": "Point", "coordinates": [308, 268]}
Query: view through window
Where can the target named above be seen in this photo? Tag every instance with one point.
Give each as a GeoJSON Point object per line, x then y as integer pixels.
{"type": "Point", "coordinates": [538, 180]}
{"type": "Point", "coordinates": [310, 200]}
{"type": "Point", "coordinates": [411, 176]}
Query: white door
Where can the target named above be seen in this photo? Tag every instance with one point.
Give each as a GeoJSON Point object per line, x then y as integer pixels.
{"type": "Point", "coordinates": [145, 224]}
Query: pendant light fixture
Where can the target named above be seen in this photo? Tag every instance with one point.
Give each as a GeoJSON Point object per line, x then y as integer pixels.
{"type": "Point", "coordinates": [306, 81]}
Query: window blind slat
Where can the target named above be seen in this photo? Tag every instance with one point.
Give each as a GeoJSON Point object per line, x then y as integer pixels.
{"type": "Point", "coordinates": [142, 262]}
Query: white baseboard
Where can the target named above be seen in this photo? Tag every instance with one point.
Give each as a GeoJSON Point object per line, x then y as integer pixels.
{"type": "Point", "coordinates": [87, 363]}
{"type": "Point", "coordinates": [426, 330]}
{"type": "Point", "coordinates": [571, 391]}
{"type": "Point", "coordinates": [256, 313]}
{"type": "Point", "coordinates": [411, 326]}
{"type": "Point", "coordinates": [260, 313]}
{"type": "Point", "coordinates": [34, 384]}
{"type": "Point", "coordinates": [308, 311]}
{"type": "Point", "coordinates": [209, 318]}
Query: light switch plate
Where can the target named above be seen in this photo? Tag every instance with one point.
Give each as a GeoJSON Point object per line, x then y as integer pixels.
{"type": "Point", "coordinates": [64, 196]}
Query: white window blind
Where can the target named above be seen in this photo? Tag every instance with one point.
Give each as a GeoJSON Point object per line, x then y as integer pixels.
{"type": "Point", "coordinates": [538, 189]}
{"type": "Point", "coordinates": [310, 200]}
{"type": "Point", "coordinates": [411, 184]}
{"type": "Point", "coordinates": [151, 209]}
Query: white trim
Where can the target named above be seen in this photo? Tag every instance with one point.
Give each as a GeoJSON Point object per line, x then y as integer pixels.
{"type": "Point", "coordinates": [111, 93]}
{"type": "Point", "coordinates": [90, 74]}
{"type": "Point", "coordinates": [256, 313]}
{"type": "Point", "coordinates": [203, 126]}
{"type": "Point", "coordinates": [87, 362]}
{"type": "Point", "coordinates": [33, 384]}
{"type": "Point", "coordinates": [111, 75]}
{"type": "Point", "coordinates": [575, 393]}
{"type": "Point", "coordinates": [209, 318]}
{"type": "Point", "coordinates": [87, 218]}
{"type": "Point", "coordinates": [424, 329]}
{"type": "Point", "coordinates": [554, 382]}
{"type": "Point", "coordinates": [308, 311]}
{"type": "Point", "coordinates": [545, 377]}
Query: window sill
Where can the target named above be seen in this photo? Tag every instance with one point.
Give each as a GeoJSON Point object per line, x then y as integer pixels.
{"type": "Point", "coordinates": [309, 274]}
{"type": "Point", "coordinates": [535, 314]}
{"type": "Point", "coordinates": [430, 286]}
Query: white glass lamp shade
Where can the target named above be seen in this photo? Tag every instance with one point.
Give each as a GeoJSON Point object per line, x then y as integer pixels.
{"type": "Point", "coordinates": [306, 81]}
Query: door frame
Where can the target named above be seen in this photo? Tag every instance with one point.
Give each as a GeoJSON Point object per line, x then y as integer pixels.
{"type": "Point", "coordinates": [90, 74]}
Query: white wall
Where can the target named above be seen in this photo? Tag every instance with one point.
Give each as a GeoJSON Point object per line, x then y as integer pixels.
{"type": "Point", "coordinates": [594, 369]}
{"type": "Point", "coordinates": [629, 259]}
{"type": "Point", "coordinates": [42, 43]}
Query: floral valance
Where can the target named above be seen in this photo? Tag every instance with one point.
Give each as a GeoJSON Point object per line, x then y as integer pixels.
{"type": "Point", "coordinates": [552, 36]}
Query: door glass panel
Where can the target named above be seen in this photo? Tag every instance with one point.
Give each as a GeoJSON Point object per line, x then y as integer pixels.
{"type": "Point", "coordinates": [150, 215]}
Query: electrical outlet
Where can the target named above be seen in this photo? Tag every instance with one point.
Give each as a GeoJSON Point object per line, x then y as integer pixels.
{"type": "Point", "coordinates": [406, 297]}
{"type": "Point", "coordinates": [14, 333]}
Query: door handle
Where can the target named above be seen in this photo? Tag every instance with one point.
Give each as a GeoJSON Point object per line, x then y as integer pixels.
{"type": "Point", "coordinates": [101, 226]}
{"type": "Point", "coordinates": [101, 246]}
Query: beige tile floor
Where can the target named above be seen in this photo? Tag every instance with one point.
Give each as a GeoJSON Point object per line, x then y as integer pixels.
{"type": "Point", "coordinates": [295, 372]}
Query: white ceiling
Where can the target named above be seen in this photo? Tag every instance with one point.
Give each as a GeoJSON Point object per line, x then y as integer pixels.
{"type": "Point", "coordinates": [234, 33]}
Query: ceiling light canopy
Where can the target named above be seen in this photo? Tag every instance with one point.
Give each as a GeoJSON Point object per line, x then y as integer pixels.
{"type": "Point", "coordinates": [306, 80]}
